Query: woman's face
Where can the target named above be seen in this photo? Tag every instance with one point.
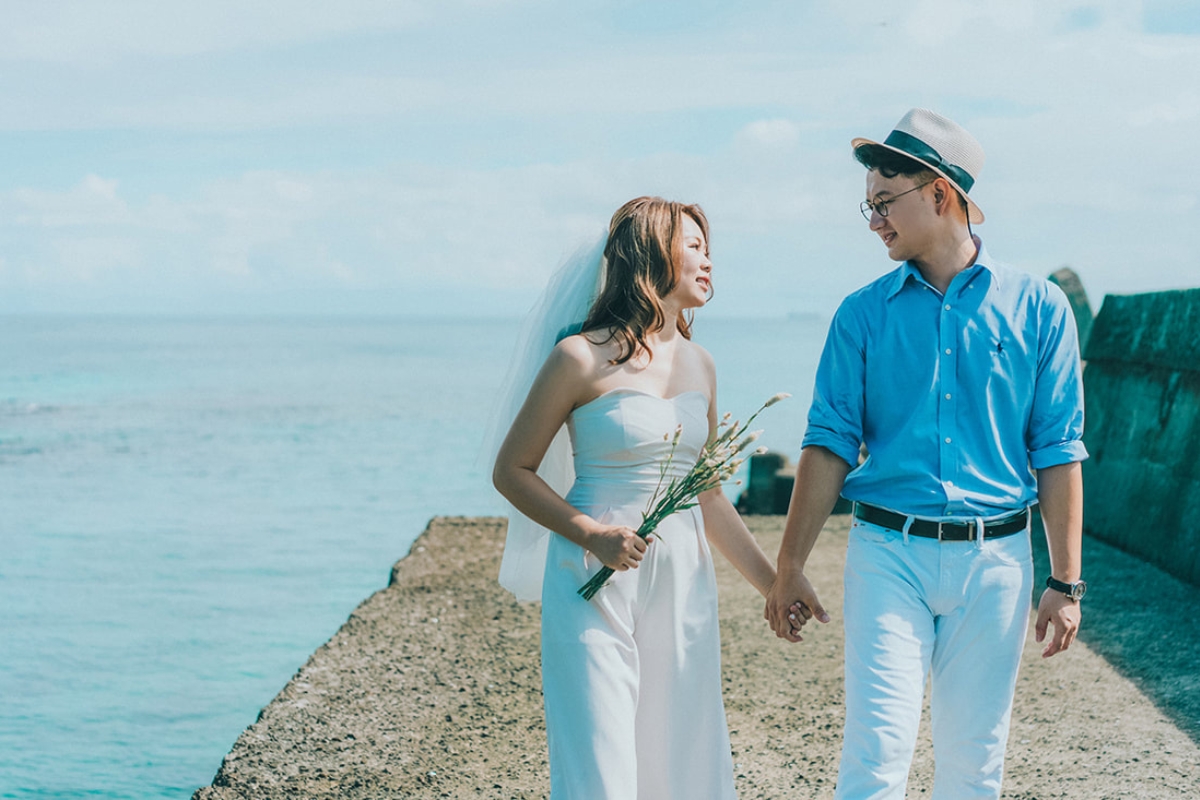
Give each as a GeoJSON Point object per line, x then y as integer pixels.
{"type": "Point", "coordinates": [695, 270]}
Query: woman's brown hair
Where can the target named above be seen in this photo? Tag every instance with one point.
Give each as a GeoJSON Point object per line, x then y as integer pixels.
{"type": "Point", "coordinates": [643, 255]}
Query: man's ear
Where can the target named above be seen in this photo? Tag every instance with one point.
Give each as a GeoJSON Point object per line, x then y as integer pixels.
{"type": "Point", "coordinates": [939, 195]}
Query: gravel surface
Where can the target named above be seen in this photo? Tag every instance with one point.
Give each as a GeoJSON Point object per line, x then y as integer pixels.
{"type": "Point", "coordinates": [431, 690]}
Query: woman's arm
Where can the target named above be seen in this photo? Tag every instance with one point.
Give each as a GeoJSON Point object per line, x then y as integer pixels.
{"type": "Point", "coordinates": [728, 533]}
{"type": "Point", "coordinates": [562, 384]}
{"type": "Point", "coordinates": [723, 526]}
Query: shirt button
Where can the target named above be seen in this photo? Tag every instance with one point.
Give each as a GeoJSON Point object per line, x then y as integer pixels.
{"type": "Point", "coordinates": [947, 440]}
{"type": "Point", "coordinates": [947, 351]}
{"type": "Point", "coordinates": [947, 306]}
{"type": "Point", "coordinates": [947, 397]}
{"type": "Point", "coordinates": [949, 483]}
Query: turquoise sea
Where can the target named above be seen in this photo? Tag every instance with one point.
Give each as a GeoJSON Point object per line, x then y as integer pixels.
{"type": "Point", "coordinates": [190, 507]}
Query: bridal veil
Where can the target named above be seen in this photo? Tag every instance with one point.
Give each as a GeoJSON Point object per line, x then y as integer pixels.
{"type": "Point", "coordinates": [559, 312]}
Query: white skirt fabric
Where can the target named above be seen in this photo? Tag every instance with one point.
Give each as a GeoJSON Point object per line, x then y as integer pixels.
{"type": "Point", "coordinates": [632, 678]}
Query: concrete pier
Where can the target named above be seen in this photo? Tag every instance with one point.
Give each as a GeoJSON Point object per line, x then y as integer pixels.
{"type": "Point", "coordinates": [432, 690]}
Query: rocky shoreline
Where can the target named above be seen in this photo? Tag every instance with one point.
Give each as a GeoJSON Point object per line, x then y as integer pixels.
{"type": "Point", "coordinates": [432, 690]}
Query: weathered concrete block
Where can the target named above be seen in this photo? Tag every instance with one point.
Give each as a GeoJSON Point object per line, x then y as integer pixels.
{"type": "Point", "coordinates": [1159, 329]}
{"type": "Point", "coordinates": [759, 496]}
{"type": "Point", "coordinates": [1142, 381]}
{"type": "Point", "coordinates": [769, 488]}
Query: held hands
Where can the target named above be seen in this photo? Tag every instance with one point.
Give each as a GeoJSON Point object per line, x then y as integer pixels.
{"type": "Point", "coordinates": [617, 546]}
{"type": "Point", "coordinates": [791, 603]}
{"type": "Point", "coordinates": [1056, 609]}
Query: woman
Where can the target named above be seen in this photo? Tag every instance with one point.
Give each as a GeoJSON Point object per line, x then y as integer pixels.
{"type": "Point", "coordinates": [631, 679]}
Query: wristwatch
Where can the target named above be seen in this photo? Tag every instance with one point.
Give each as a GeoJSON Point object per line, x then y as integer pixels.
{"type": "Point", "coordinates": [1075, 590]}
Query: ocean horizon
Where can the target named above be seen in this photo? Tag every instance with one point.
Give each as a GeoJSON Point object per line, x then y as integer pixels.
{"type": "Point", "coordinates": [190, 506]}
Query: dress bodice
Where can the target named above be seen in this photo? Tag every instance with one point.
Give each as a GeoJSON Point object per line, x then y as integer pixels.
{"type": "Point", "coordinates": [643, 656]}
{"type": "Point", "coordinates": [622, 438]}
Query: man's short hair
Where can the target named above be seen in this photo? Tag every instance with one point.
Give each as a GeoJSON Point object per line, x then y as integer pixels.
{"type": "Point", "coordinates": [889, 164]}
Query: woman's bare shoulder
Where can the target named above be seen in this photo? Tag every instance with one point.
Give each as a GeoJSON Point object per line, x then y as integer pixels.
{"type": "Point", "coordinates": [593, 349]}
{"type": "Point", "coordinates": [579, 356]}
{"type": "Point", "coordinates": [702, 362]}
{"type": "Point", "coordinates": [702, 356]}
{"type": "Point", "coordinates": [576, 348]}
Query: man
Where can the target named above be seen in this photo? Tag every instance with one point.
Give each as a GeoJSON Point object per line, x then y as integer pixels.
{"type": "Point", "coordinates": [962, 378]}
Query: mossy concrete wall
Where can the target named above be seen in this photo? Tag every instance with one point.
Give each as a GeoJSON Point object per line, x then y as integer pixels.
{"type": "Point", "coordinates": [1142, 383]}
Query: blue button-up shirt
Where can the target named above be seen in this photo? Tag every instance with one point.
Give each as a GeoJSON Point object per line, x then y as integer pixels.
{"type": "Point", "coordinates": [958, 398]}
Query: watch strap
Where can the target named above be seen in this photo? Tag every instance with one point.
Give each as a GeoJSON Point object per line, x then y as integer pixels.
{"type": "Point", "coordinates": [1075, 590]}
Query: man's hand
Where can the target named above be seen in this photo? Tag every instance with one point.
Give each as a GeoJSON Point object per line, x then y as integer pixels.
{"type": "Point", "coordinates": [1060, 496]}
{"type": "Point", "coordinates": [791, 603]}
{"type": "Point", "coordinates": [1056, 609]}
{"type": "Point", "coordinates": [792, 600]}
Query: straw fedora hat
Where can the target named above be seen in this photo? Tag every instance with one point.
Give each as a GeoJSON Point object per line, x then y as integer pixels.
{"type": "Point", "coordinates": [940, 144]}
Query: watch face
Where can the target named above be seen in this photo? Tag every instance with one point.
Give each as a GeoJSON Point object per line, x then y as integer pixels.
{"type": "Point", "coordinates": [1078, 590]}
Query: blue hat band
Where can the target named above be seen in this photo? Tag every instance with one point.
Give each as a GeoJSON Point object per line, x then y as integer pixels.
{"type": "Point", "coordinates": [923, 152]}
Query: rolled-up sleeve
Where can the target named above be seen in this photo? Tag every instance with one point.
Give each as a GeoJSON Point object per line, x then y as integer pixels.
{"type": "Point", "coordinates": [835, 419]}
{"type": "Point", "coordinates": [1055, 433]}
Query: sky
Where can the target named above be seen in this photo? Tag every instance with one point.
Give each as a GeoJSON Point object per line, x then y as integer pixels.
{"type": "Point", "coordinates": [439, 158]}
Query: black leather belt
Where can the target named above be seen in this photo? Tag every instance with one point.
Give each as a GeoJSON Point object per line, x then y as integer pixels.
{"type": "Point", "coordinates": [943, 531]}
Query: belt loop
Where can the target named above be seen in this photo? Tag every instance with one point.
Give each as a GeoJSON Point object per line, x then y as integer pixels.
{"type": "Point", "coordinates": [979, 529]}
{"type": "Point", "coordinates": [908, 521]}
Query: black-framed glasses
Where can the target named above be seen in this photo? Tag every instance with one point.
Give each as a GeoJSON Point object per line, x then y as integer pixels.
{"type": "Point", "coordinates": [880, 207]}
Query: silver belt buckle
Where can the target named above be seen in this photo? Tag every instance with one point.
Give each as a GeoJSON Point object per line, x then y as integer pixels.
{"type": "Point", "coordinates": [940, 523]}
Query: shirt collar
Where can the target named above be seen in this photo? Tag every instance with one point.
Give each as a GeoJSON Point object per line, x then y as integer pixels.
{"type": "Point", "coordinates": [983, 261]}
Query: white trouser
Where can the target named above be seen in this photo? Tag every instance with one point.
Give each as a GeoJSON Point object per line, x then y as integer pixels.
{"type": "Point", "coordinates": [955, 611]}
{"type": "Point", "coordinates": [632, 678]}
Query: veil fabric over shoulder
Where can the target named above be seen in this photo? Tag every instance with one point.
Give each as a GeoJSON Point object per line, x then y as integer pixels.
{"type": "Point", "coordinates": [559, 312]}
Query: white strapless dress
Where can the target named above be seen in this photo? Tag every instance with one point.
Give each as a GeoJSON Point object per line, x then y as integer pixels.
{"type": "Point", "coordinates": [632, 678]}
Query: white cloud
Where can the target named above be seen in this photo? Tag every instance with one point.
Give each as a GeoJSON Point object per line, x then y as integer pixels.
{"type": "Point", "coordinates": [83, 32]}
{"type": "Point", "coordinates": [93, 201]}
{"type": "Point", "coordinates": [1185, 107]}
{"type": "Point", "coordinates": [87, 259]}
{"type": "Point", "coordinates": [772, 134]}
{"type": "Point", "coordinates": [510, 145]}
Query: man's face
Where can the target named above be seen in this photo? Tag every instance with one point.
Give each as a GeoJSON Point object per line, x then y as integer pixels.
{"type": "Point", "coordinates": [907, 228]}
